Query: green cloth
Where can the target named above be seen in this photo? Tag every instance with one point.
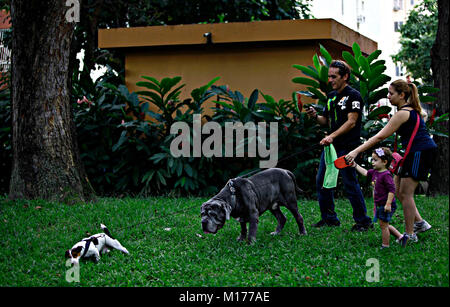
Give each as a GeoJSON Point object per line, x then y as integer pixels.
{"type": "Point", "coordinates": [331, 173]}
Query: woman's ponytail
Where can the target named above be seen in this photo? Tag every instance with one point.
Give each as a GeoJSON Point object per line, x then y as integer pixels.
{"type": "Point", "coordinates": [413, 99]}
{"type": "Point", "coordinates": [411, 94]}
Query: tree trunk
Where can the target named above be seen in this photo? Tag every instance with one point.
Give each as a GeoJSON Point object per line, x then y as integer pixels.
{"type": "Point", "coordinates": [439, 182]}
{"type": "Point", "coordinates": [46, 161]}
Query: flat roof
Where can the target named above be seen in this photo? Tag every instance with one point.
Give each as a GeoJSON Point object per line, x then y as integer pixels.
{"type": "Point", "coordinates": [234, 32]}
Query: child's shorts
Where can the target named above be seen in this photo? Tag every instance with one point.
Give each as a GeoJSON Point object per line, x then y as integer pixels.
{"type": "Point", "coordinates": [380, 214]}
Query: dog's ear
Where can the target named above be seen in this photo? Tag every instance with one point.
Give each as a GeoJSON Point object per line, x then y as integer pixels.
{"type": "Point", "coordinates": [67, 253]}
{"type": "Point", "coordinates": [76, 251]}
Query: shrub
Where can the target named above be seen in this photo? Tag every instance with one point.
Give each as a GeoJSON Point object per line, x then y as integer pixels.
{"type": "Point", "coordinates": [5, 135]}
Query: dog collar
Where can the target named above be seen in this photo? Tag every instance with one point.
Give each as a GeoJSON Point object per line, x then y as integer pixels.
{"type": "Point", "coordinates": [86, 247]}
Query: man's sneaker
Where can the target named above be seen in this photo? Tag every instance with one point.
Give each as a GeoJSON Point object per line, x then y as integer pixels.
{"type": "Point", "coordinates": [319, 224]}
{"type": "Point", "coordinates": [334, 223]}
{"type": "Point", "coordinates": [362, 227]}
{"type": "Point", "coordinates": [421, 226]}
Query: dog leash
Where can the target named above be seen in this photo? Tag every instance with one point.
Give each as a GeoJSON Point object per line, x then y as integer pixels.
{"type": "Point", "coordinates": [157, 216]}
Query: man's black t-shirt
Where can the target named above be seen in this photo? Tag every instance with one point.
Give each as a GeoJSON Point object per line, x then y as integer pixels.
{"type": "Point", "coordinates": [337, 109]}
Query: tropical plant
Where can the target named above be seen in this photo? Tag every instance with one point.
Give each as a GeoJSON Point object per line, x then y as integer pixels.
{"type": "Point", "coordinates": [98, 109]}
{"type": "Point", "coordinates": [296, 132]}
{"type": "Point", "coordinates": [5, 134]}
{"type": "Point", "coordinates": [317, 83]}
{"type": "Point", "coordinates": [150, 131]}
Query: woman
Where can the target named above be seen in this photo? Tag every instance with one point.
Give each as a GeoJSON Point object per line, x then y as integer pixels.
{"type": "Point", "coordinates": [417, 164]}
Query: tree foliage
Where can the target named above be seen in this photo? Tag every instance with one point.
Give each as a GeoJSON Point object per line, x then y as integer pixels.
{"type": "Point", "coordinates": [417, 37]}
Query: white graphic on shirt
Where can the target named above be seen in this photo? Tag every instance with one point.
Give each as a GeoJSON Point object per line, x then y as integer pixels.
{"type": "Point", "coordinates": [356, 105]}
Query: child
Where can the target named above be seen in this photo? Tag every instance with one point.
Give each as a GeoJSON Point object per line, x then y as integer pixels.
{"type": "Point", "coordinates": [383, 192]}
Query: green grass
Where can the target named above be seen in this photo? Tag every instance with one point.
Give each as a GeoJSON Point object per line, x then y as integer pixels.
{"type": "Point", "coordinates": [33, 242]}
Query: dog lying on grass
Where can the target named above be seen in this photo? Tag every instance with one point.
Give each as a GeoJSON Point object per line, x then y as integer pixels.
{"type": "Point", "coordinates": [94, 246]}
{"type": "Point", "coordinates": [246, 199]}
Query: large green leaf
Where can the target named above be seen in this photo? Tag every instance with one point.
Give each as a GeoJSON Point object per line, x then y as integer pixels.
{"type": "Point", "coordinates": [307, 71]}
{"type": "Point", "coordinates": [374, 96]}
{"type": "Point", "coordinates": [175, 93]}
{"type": "Point", "coordinates": [318, 93]}
{"type": "Point", "coordinates": [326, 55]}
{"type": "Point", "coordinates": [374, 55]}
{"type": "Point", "coordinates": [253, 99]}
{"type": "Point", "coordinates": [168, 83]}
{"type": "Point", "coordinates": [378, 111]}
{"type": "Point", "coordinates": [155, 81]}
{"type": "Point", "coordinates": [306, 81]}
{"type": "Point", "coordinates": [348, 57]}
{"type": "Point", "coordinates": [356, 50]}
{"type": "Point", "coordinates": [323, 74]}
{"type": "Point", "coordinates": [378, 82]}
{"type": "Point", "coordinates": [377, 63]}
{"type": "Point", "coordinates": [316, 62]}
{"type": "Point", "coordinates": [376, 71]}
{"type": "Point", "coordinates": [122, 139]}
{"type": "Point", "coordinates": [148, 85]}
{"type": "Point", "coordinates": [365, 66]}
{"type": "Point", "coordinates": [153, 98]}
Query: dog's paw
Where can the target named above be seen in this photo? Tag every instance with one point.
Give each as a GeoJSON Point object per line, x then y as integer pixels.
{"type": "Point", "coordinates": [240, 238]}
{"type": "Point", "coordinates": [251, 241]}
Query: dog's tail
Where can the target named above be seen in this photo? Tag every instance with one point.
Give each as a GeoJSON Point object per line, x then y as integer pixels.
{"type": "Point", "coordinates": [106, 231]}
{"type": "Point", "coordinates": [297, 189]}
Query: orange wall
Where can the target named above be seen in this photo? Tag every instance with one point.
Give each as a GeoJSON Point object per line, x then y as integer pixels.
{"type": "Point", "coordinates": [242, 68]}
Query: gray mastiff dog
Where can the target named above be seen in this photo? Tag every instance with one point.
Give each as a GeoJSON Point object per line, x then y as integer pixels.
{"type": "Point", "coordinates": [246, 199]}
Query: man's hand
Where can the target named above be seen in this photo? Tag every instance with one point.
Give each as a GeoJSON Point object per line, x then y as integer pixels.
{"type": "Point", "coordinates": [326, 140]}
{"type": "Point", "coordinates": [311, 112]}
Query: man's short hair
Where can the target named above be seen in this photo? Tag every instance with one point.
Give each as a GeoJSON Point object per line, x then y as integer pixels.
{"type": "Point", "coordinates": [343, 68]}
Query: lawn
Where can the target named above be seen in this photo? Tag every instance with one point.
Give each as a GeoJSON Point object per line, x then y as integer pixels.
{"type": "Point", "coordinates": [168, 249]}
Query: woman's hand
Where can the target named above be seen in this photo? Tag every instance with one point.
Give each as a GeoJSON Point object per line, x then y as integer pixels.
{"type": "Point", "coordinates": [351, 156]}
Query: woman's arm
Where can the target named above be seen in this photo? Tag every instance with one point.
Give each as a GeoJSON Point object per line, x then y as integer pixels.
{"type": "Point", "coordinates": [396, 121]}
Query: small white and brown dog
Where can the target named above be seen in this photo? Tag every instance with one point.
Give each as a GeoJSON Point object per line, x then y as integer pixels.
{"type": "Point", "coordinates": [94, 246]}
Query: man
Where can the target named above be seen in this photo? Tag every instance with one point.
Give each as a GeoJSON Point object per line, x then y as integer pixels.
{"type": "Point", "coordinates": [343, 114]}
